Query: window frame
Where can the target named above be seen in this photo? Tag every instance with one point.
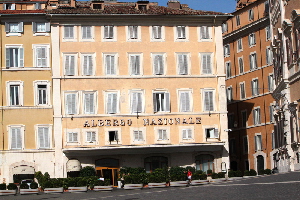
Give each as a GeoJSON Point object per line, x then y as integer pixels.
{"type": "Point", "coordinates": [253, 61]}
{"type": "Point", "coordinates": [132, 102]}
{"type": "Point", "coordinates": [258, 142]}
{"type": "Point", "coordinates": [115, 64]}
{"type": "Point", "coordinates": [228, 69]}
{"type": "Point", "coordinates": [182, 35]}
{"type": "Point", "coordinates": [238, 20]}
{"type": "Point", "coordinates": [255, 87]}
{"type": "Point", "coordinates": [138, 72]}
{"type": "Point", "coordinates": [37, 32]}
{"type": "Point", "coordinates": [73, 132]}
{"type": "Point", "coordinates": [229, 94]}
{"type": "Point", "coordinates": [251, 40]}
{"type": "Point", "coordinates": [90, 72]}
{"type": "Point", "coordinates": [241, 65]}
{"type": "Point", "coordinates": [20, 100]}
{"type": "Point", "coordinates": [250, 14]}
{"type": "Point", "coordinates": [208, 33]}
{"type": "Point", "coordinates": [110, 38]}
{"type": "Point", "coordinates": [226, 50]}
{"type": "Point", "coordinates": [74, 110]}
{"type": "Point", "coordinates": [160, 71]}
{"type": "Point", "coordinates": [94, 100]}
{"type": "Point", "coordinates": [240, 45]}
{"type": "Point", "coordinates": [87, 38]}
{"type": "Point", "coordinates": [162, 33]}
{"type": "Point", "coordinates": [18, 32]}
{"type": "Point", "coordinates": [110, 110]}
{"type": "Point", "coordinates": [256, 116]}
{"type": "Point", "coordinates": [138, 37]}
{"type": "Point", "coordinates": [70, 38]}
{"type": "Point", "coordinates": [20, 56]}
{"type": "Point", "coordinates": [38, 142]}
{"type": "Point", "coordinates": [269, 56]}
{"type": "Point", "coordinates": [242, 90]}
{"type": "Point", "coordinates": [119, 136]}
{"type": "Point", "coordinates": [141, 137]}
{"type": "Point", "coordinates": [212, 102]}
{"type": "Point", "coordinates": [271, 82]}
{"type": "Point", "coordinates": [91, 141]}
{"type": "Point", "coordinates": [65, 55]}
{"type": "Point", "coordinates": [165, 100]}
{"type": "Point", "coordinates": [46, 59]}
{"type": "Point", "coordinates": [189, 93]}
{"type": "Point", "coordinates": [22, 130]}
{"type": "Point", "coordinates": [216, 134]}
{"type": "Point", "coordinates": [36, 92]}
{"type": "Point", "coordinates": [162, 140]}
{"type": "Point", "coordinates": [210, 68]}
{"type": "Point", "coordinates": [179, 66]}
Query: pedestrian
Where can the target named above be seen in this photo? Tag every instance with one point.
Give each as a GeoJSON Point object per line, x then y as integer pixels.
{"type": "Point", "coordinates": [189, 175]}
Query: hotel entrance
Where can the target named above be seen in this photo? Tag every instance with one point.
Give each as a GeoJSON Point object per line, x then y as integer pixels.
{"type": "Point", "coordinates": [108, 168]}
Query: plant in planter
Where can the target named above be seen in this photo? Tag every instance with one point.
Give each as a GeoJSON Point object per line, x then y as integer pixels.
{"type": "Point", "coordinates": [12, 186]}
{"type": "Point", "coordinates": [246, 173]}
{"type": "Point", "coordinates": [253, 172]}
{"type": "Point", "coordinates": [4, 190]}
{"type": "Point", "coordinates": [214, 175]}
{"type": "Point", "coordinates": [2, 186]}
{"type": "Point", "coordinates": [87, 171]}
{"type": "Point", "coordinates": [261, 172]}
{"type": "Point", "coordinates": [24, 188]}
{"type": "Point", "coordinates": [177, 176]}
{"type": "Point", "coordinates": [77, 185]}
{"type": "Point", "coordinates": [221, 175]}
{"type": "Point", "coordinates": [158, 178]}
{"type": "Point", "coordinates": [199, 178]}
{"type": "Point", "coordinates": [134, 178]}
{"type": "Point", "coordinates": [209, 172]}
{"type": "Point", "coordinates": [53, 186]}
{"type": "Point", "coordinates": [268, 171]}
{"type": "Point", "coordinates": [103, 185]}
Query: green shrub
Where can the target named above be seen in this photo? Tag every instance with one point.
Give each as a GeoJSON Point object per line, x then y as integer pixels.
{"type": "Point", "coordinates": [48, 184]}
{"type": "Point", "coordinates": [34, 185]}
{"type": "Point", "coordinates": [214, 175]}
{"type": "Point", "coordinates": [253, 172]}
{"type": "Point", "coordinates": [107, 182]}
{"type": "Point", "coordinates": [159, 175]}
{"type": "Point", "coordinates": [221, 175]}
{"type": "Point", "coordinates": [177, 174]}
{"type": "Point", "coordinates": [132, 179]}
{"type": "Point", "coordinates": [238, 173]}
{"type": "Point", "coordinates": [203, 176]}
{"type": "Point", "coordinates": [71, 182]}
{"type": "Point", "coordinates": [261, 172]}
{"type": "Point", "coordinates": [24, 186]}
{"type": "Point", "coordinates": [268, 171]}
{"type": "Point", "coordinates": [99, 183]}
{"type": "Point", "coordinates": [81, 183]}
{"type": "Point", "coordinates": [87, 171]}
{"type": "Point", "coordinates": [231, 173]}
{"type": "Point", "coordinates": [2, 186]}
{"type": "Point", "coordinates": [12, 186]}
{"type": "Point", "coordinates": [246, 173]}
{"type": "Point", "coordinates": [209, 172]}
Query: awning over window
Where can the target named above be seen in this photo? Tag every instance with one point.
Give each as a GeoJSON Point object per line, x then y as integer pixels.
{"type": "Point", "coordinates": [23, 169]}
{"type": "Point", "coordinates": [73, 165]}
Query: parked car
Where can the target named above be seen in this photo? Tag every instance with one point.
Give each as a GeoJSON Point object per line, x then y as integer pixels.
{"type": "Point", "coordinates": [27, 181]}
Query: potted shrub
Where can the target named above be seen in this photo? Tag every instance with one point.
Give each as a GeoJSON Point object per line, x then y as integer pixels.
{"type": "Point", "coordinates": [25, 189]}
{"type": "Point", "coordinates": [268, 171]}
{"type": "Point", "coordinates": [177, 176]}
{"type": "Point", "coordinates": [10, 189]}
{"type": "Point", "coordinates": [105, 185]}
{"type": "Point", "coordinates": [158, 178]}
{"type": "Point", "coordinates": [209, 172]}
{"type": "Point", "coordinates": [77, 185]}
{"type": "Point", "coordinates": [253, 172]}
{"type": "Point", "coordinates": [199, 178]}
{"type": "Point", "coordinates": [133, 181]}
{"type": "Point", "coordinates": [246, 174]}
{"type": "Point", "coordinates": [53, 186]}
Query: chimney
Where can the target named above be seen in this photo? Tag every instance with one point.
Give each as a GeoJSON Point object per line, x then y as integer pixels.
{"type": "Point", "coordinates": [142, 5]}
{"type": "Point", "coordinates": [174, 4]}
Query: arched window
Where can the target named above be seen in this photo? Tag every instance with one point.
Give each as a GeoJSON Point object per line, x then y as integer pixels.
{"type": "Point", "coordinates": [153, 162]}
{"type": "Point", "coordinates": [204, 162]}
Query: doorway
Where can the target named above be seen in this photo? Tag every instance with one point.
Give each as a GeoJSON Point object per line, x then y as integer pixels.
{"type": "Point", "coordinates": [108, 168]}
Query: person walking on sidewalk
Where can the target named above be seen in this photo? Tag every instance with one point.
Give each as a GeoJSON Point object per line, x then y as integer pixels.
{"type": "Point", "coordinates": [189, 176]}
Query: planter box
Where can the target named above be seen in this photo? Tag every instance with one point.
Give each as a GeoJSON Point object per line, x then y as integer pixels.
{"type": "Point", "coordinates": [218, 180]}
{"type": "Point", "coordinates": [133, 186]}
{"type": "Point", "coordinates": [103, 188]}
{"type": "Point", "coordinates": [77, 189]}
{"type": "Point", "coordinates": [53, 190]}
{"type": "Point", "coordinates": [156, 185]}
{"type": "Point", "coordinates": [29, 191]}
{"type": "Point", "coordinates": [178, 183]}
{"type": "Point", "coordinates": [8, 192]}
{"type": "Point", "coordinates": [199, 182]}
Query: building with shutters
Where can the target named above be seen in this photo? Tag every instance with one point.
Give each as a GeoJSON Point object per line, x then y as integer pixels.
{"type": "Point", "coordinates": [249, 85]}
{"type": "Point", "coordinates": [137, 85]}
{"type": "Point", "coordinates": [26, 102]}
{"type": "Point", "coordinates": [284, 19]}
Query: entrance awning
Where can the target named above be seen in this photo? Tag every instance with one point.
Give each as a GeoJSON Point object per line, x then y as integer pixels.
{"type": "Point", "coordinates": [145, 149]}
{"type": "Point", "coordinates": [73, 166]}
{"type": "Point", "coordinates": [23, 169]}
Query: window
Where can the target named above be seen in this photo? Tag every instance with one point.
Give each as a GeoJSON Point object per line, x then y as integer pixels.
{"type": "Point", "coordinates": [110, 61]}
{"type": "Point", "coordinates": [253, 61]}
{"type": "Point", "coordinates": [71, 103]}
{"type": "Point", "coordinates": [266, 8]}
{"type": "Point", "coordinates": [238, 21]}
{"type": "Point", "coordinates": [138, 135]}
{"type": "Point", "coordinates": [89, 100]}
{"type": "Point", "coordinates": [269, 56]}
{"type": "Point", "coordinates": [108, 32]}
{"type": "Point", "coordinates": [162, 134]}
{"type": "Point", "coordinates": [229, 94]}
{"type": "Point", "coordinates": [16, 137]}
{"type": "Point", "coordinates": [224, 27]}
{"type": "Point", "coordinates": [136, 102]}
{"type": "Point", "coordinates": [205, 33]}
{"type": "Point", "coordinates": [245, 141]}
{"type": "Point", "coordinates": [185, 101]}
{"type": "Point", "coordinates": [43, 138]}
{"type": "Point", "coordinates": [244, 118]}
{"type": "Point", "coordinates": [9, 6]}
{"type": "Point", "coordinates": [232, 147]}
{"type": "Point", "coordinates": [239, 45]}
{"type": "Point", "coordinates": [250, 15]}
{"type": "Point", "coordinates": [69, 32]}
{"type": "Point", "coordinates": [14, 56]}
{"type": "Point", "coordinates": [70, 66]}
{"type": "Point", "coordinates": [241, 65]}
{"type": "Point", "coordinates": [182, 64]}
{"type": "Point", "coordinates": [271, 111]}
{"type": "Point", "coordinates": [86, 32]}
{"type": "Point", "coordinates": [251, 39]}
{"type": "Point", "coordinates": [135, 64]}
{"type": "Point", "coordinates": [230, 120]}
{"type": "Point", "coordinates": [112, 105]}
{"type": "Point", "coordinates": [156, 32]}
{"type": "Point", "coordinates": [256, 116]}
{"type": "Point", "coordinates": [258, 143]}
{"type": "Point", "coordinates": [228, 69]}
{"type": "Point", "coordinates": [87, 62]}
{"type": "Point", "coordinates": [133, 33]}
{"type": "Point", "coordinates": [212, 133]}
{"type": "Point", "coordinates": [14, 28]}
{"type": "Point", "coordinates": [181, 32]}
{"type": "Point", "coordinates": [226, 50]}
{"type": "Point", "coordinates": [206, 63]}
{"type": "Point", "coordinates": [255, 88]}
{"type": "Point", "coordinates": [90, 136]}
{"type": "Point", "coordinates": [158, 64]}
{"type": "Point", "coordinates": [270, 83]}
{"type": "Point", "coordinates": [242, 90]}
{"type": "Point", "coordinates": [42, 93]}
{"type": "Point", "coordinates": [268, 33]}
{"type": "Point", "coordinates": [14, 93]}
{"type": "Point", "coordinates": [113, 137]}
{"type": "Point", "coordinates": [161, 101]}
{"type": "Point", "coordinates": [41, 54]}
{"type": "Point", "coordinates": [187, 134]}
{"type": "Point", "coordinates": [41, 27]}
{"type": "Point", "coordinates": [72, 137]}
{"type": "Point", "coordinates": [208, 96]}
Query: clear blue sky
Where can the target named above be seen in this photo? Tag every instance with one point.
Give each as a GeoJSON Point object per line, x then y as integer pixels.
{"type": "Point", "coordinates": [225, 6]}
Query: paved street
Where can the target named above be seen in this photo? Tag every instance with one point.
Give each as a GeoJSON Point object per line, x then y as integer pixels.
{"type": "Point", "coordinates": [278, 186]}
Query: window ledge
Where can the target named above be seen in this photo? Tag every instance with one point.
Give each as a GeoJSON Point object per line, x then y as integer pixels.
{"type": "Point", "coordinates": [13, 34]}
{"type": "Point", "coordinates": [41, 34]}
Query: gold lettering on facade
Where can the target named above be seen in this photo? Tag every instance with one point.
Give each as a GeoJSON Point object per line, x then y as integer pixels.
{"type": "Point", "coordinates": [153, 122]}
{"type": "Point", "coordinates": [108, 121]}
{"type": "Point", "coordinates": [115, 122]}
{"type": "Point", "coordinates": [160, 122]}
{"type": "Point", "coordinates": [93, 123]}
{"type": "Point", "coordinates": [129, 122]}
{"type": "Point", "coordinates": [165, 121]}
{"type": "Point", "coordinates": [184, 121]}
{"type": "Point", "coordinates": [198, 120]}
{"type": "Point", "coordinates": [100, 122]}
{"type": "Point", "coordinates": [146, 122]}
{"type": "Point", "coordinates": [122, 122]}
{"type": "Point", "coordinates": [170, 121]}
{"type": "Point", "coordinates": [177, 120]}
{"type": "Point", "coordinates": [86, 124]}
{"type": "Point", "coordinates": [191, 120]}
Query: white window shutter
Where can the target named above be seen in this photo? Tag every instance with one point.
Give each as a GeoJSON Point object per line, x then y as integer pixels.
{"type": "Point", "coordinates": [216, 133]}
{"type": "Point", "coordinates": [21, 54]}
{"type": "Point", "coordinates": [167, 101]}
{"type": "Point", "coordinates": [190, 133]}
{"type": "Point", "coordinates": [6, 27]}
{"type": "Point", "coordinates": [111, 32]}
{"type": "Point", "coordinates": [48, 27]}
{"type": "Point", "coordinates": [154, 102]}
{"type": "Point", "coordinates": [8, 51]}
{"type": "Point", "coordinates": [106, 35]}
{"type": "Point", "coordinates": [165, 135]}
{"type": "Point", "coordinates": [34, 27]}
{"type": "Point", "coordinates": [20, 27]}
{"type": "Point", "coordinates": [184, 134]}
{"type": "Point", "coordinates": [41, 137]}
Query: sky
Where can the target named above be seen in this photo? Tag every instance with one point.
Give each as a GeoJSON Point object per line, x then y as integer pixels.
{"type": "Point", "coordinates": [225, 6]}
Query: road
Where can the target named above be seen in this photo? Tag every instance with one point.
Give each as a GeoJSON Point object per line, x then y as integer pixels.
{"type": "Point", "coordinates": [277, 186]}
